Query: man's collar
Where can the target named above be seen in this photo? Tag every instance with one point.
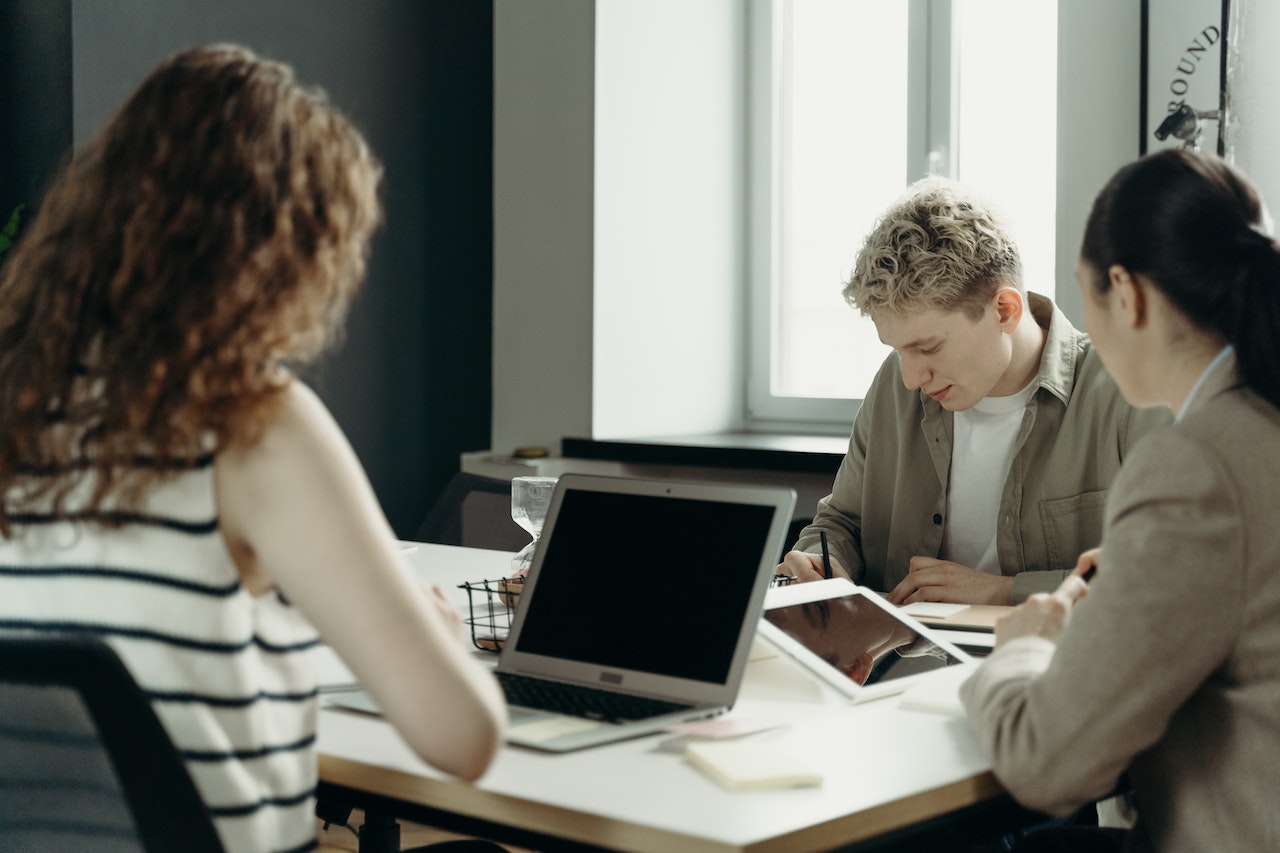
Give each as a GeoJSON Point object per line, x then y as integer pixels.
{"type": "Point", "coordinates": [1061, 347]}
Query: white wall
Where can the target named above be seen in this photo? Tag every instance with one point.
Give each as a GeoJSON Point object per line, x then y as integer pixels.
{"type": "Point", "coordinates": [618, 219]}
{"type": "Point", "coordinates": [1253, 78]}
{"type": "Point", "coordinates": [543, 220]}
{"type": "Point", "coordinates": [670, 295]}
{"type": "Point", "coordinates": [1099, 111]}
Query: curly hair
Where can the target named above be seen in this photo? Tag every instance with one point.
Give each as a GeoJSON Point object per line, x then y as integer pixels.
{"type": "Point", "coordinates": [211, 236]}
{"type": "Point", "coordinates": [940, 247]}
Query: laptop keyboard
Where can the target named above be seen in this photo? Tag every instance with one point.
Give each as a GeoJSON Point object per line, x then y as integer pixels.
{"type": "Point", "coordinates": [578, 701]}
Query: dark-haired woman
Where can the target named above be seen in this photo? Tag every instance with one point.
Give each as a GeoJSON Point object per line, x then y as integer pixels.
{"type": "Point", "coordinates": [166, 482]}
{"type": "Point", "coordinates": [1165, 679]}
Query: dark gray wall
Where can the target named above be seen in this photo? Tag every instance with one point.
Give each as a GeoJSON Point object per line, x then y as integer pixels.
{"type": "Point", "coordinates": [35, 97]}
{"type": "Point", "coordinates": [411, 386]}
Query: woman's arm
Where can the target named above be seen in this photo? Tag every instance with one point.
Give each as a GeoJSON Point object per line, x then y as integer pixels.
{"type": "Point", "coordinates": [1160, 617]}
{"type": "Point", "coordinates": [298, 511]}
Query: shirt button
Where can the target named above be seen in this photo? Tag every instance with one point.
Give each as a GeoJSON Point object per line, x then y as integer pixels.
{"type": "Point", "coordinates": [937, 518]}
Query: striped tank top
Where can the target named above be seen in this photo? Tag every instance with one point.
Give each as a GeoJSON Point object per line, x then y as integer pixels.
{"type": "Point", "coordinates": [231, 676]}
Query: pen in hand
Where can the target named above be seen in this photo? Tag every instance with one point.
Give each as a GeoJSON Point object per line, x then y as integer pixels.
{"type": "Point", "coordinates": [826, 555]}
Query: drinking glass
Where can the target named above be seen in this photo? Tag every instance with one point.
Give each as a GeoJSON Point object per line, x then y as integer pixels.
{"type": "Point", "coordinates": [530, 497]}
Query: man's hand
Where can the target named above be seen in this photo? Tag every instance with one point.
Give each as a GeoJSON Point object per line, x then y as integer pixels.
{"type": "Point", "coordinates": [930, 579]}
{"type": "Point", "coordinates": [1046, 614]}
{"type": "Point", "coordinates": [808, 567]}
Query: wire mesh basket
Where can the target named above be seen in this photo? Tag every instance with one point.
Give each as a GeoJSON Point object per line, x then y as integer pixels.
{"type": "Point", "coordinates": [491, 605]}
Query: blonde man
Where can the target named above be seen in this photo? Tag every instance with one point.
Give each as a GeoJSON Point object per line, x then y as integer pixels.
{"type": "Point", "coordinates": [981, 458]}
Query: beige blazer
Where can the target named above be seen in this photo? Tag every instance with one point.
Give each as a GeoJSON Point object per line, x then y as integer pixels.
{"type": "Point", "coordinates": [1169, 669]}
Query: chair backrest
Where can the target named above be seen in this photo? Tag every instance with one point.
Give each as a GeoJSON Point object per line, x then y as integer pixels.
{"type": "Point", "coordinates": [84, 762]}
{"type": "Point", "coordinates": [475, 511]}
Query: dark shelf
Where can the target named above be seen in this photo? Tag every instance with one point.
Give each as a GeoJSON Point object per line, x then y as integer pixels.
{"type": "Point", "coordinates": [818, 454]}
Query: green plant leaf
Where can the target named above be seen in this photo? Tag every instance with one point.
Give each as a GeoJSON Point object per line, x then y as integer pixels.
{"type": "Point", "coordinates": [10, 230]}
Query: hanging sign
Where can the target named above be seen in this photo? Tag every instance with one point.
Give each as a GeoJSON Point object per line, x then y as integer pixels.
{"type": "Point", "coordinates": [1182, 50]}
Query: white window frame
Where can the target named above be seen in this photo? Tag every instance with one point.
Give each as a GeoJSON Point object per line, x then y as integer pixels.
{"type": "Point", "coordinates": [932, 109]}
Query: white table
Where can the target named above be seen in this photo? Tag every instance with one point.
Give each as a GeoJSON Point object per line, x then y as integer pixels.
{"type": "Point", "coordinates": [884, 767]}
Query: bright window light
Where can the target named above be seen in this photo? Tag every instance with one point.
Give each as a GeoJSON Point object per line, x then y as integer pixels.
{"type": "Point", "coordinates": [1008, 120]}
{"type": "Point", "coordinates": [841, 156]}
{"type": "Point", "coordinates": [841, 108]}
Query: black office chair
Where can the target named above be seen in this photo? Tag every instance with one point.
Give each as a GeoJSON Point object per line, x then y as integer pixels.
{"type": "Point", "coordinates": [475, 511]}
{"type": "Point", "coordinates": [84, 762]}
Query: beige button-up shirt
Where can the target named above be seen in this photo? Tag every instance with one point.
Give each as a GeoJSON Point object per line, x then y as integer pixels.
{"type": "Point", "coordinates": [889, 499]}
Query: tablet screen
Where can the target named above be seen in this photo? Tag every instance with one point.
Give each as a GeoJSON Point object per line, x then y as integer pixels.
{"type": "Point", "coordinates": [859, 638]}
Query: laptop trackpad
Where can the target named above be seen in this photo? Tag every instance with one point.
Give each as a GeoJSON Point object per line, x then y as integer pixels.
{"type": "Point", "coordinates": [517, 716]}
{"type": "Point", "coordinates": [533, 727]}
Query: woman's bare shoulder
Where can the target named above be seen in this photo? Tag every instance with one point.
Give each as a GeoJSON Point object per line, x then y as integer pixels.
{"type": "Point", "coordinates": [300, 455]}
{"type": "Point", "coordinates": [298, 423]}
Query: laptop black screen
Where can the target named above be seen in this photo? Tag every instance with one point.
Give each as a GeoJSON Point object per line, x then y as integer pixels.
{"type": "Point", "coordinates": [648, 583]}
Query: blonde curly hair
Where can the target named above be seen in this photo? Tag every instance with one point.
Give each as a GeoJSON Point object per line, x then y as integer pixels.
{"type": "Point", "coordinates": [940, 247]}
{"type": "Point", "coordinates": [212, 234]}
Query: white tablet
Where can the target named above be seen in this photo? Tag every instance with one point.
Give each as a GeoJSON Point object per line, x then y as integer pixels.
{"type": "Point", "coordinates": [853, 639]}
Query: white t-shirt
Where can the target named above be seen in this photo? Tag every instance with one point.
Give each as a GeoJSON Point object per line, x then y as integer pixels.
{"type": "Point", "coordinates": [980, 458]}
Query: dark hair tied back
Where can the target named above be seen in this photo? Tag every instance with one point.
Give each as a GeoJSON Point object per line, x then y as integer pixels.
{"type": "Point", "coordinates": [1191, 224]}
{"type": "Point", "coordinates": [1255, 240]}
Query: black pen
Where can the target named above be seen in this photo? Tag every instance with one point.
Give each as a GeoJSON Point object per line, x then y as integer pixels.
{"type": "Point", "coordinates": [826, 555]}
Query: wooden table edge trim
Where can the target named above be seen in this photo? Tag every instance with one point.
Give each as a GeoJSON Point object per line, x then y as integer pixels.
{"type": "Point", "coordinates": [876, 821]}
{"type": "Point", "coordinates": [462, 798]}
{"type": "Point", "coordinates": [452, 795]}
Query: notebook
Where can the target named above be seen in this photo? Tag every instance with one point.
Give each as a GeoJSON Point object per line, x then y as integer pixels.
{"type": "Point", "coordinates": [753, 765]}
{"type": "Point", "coordinates": [854, 640]}
{"type": "Point", "coordinates": [645, 589]}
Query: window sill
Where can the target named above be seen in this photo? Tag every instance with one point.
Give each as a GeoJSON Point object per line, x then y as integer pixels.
{"type": "Point", "coordinates": [820, 454]}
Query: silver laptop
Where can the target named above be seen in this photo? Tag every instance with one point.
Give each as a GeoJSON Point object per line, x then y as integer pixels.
{"type": "Point", "coordinates": [643, 593]}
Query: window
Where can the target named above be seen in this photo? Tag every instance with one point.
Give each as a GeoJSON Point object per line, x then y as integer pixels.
{"type": "Point", "coordinates": [851, 100]}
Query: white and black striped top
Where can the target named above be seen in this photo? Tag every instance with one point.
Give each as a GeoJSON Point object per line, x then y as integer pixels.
{"type": "Point", "coordinates": [232, 677]}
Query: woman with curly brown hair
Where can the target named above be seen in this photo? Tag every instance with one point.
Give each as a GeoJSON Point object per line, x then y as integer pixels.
{"type": "Point", "coordinates": [168, 484]}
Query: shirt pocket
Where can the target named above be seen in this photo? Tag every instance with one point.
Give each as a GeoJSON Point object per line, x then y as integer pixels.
{"type": "Point", "coordinates": [1072, 525]}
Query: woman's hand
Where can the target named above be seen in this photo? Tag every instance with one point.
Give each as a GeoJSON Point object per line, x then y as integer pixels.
{"type": "Point", "coordinates": [439, 601]}
{"type": "Point", "coordinates": [1046, 614]}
